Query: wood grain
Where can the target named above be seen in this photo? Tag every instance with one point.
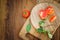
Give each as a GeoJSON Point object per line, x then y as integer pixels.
{"type": "Point", "coordinates": [14, 21]}
{"type": "Point", "coordinates": [3, 12]}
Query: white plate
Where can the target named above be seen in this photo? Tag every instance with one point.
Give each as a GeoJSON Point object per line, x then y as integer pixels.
{"type": "Point", "coordinates": [34, 13]}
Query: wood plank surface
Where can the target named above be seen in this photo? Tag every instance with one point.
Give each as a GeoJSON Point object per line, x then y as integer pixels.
{"type": "Point", "coordinates": [3, 11]}
{"type": "Point", "coordinates": [14, 21]}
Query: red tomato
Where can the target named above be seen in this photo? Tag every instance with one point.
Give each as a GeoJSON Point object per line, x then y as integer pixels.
{"type": "Point", "coordinates": [49, 10]}
{"type": "Point", "coordinates": [42, 14]}
{"type": "Point", "coordinates": [26, 13]}
{"type": "Point", "coordinates": [52, 18]}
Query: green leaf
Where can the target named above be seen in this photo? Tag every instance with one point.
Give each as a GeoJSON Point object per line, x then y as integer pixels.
{"type": "Point", "coordinates": [40, 30]}
{"type": "Point", "coordinates": [41, 23]}
{"type": "Point", "coordinates": [28, 27]}
{"type": "Point", "coordinates": [44, 31]}
{"type": "Point", "coordinates": [49, 35]}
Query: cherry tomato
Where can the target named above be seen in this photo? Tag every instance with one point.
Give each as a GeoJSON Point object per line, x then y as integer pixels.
{"type": "Point", "coordinates": [26, 13]}
{"type": "Point", "coordinates": [42, 14]}
{"type": "Point", "coordinates": [49, 10]}
{"type": "Point", "coordinates": [52, 18]}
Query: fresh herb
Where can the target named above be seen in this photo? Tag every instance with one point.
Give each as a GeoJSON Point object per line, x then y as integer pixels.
{"type": "Point", "coordinates": [41, 23]}
{"type": "Point", "coordinates": [40, 30]}
{"type": "Point", "coordinates": [49, 34]}
{"type": "Point", "coordinates": [28, 28]}
{"type": "Point", "coordinates": [44, 31]}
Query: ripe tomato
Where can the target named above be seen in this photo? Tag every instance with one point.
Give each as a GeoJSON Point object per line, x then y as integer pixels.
{"type": "Point", "coordinates": [49, 10]}
{"type": "Point", "coordinates": [42, 14]}
{"type": "Point", "coordinates": [26, 13]}
{"type": "Point", "coordinates": [52, 18]}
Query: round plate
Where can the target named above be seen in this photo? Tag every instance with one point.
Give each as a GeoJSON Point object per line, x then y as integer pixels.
{"type": "Point", "coordinates": [35, 19]}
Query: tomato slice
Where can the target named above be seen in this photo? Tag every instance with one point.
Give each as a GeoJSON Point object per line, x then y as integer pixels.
{"type": "Point", "coordinates": [52, 18]}
{"type": "Point", "coordinates": [42, 14]}
{"type": "Point", "coordinates": [26, 13]}
{"type": "Point", "coordinates": [49, 10]}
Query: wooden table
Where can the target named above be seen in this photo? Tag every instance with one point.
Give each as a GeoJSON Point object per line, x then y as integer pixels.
{"type": "Point", "coordinates": [14, 21]}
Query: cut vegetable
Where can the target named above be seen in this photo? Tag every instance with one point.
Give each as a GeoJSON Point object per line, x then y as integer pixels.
{"type": "Point", "coordinates": [42, 14]}
{"type": "Point", "coordinates": [49, 10]}
{"type": "Point", "coordinates": [52, 18]}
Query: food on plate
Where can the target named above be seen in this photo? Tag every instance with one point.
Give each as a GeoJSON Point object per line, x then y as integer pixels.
{"type": "Point", "coordinates": [52, 18]}
{"type": "Point", "coordinates": [26, 13]}
{"type": "Point", "coordinates": [41, 23]}
{"type": "Point", "coordinates": [49, 34]}
{"type": "Point", "coordinates": [49, 10]}
{"type": "Point", "coordinates": [42, 14]}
